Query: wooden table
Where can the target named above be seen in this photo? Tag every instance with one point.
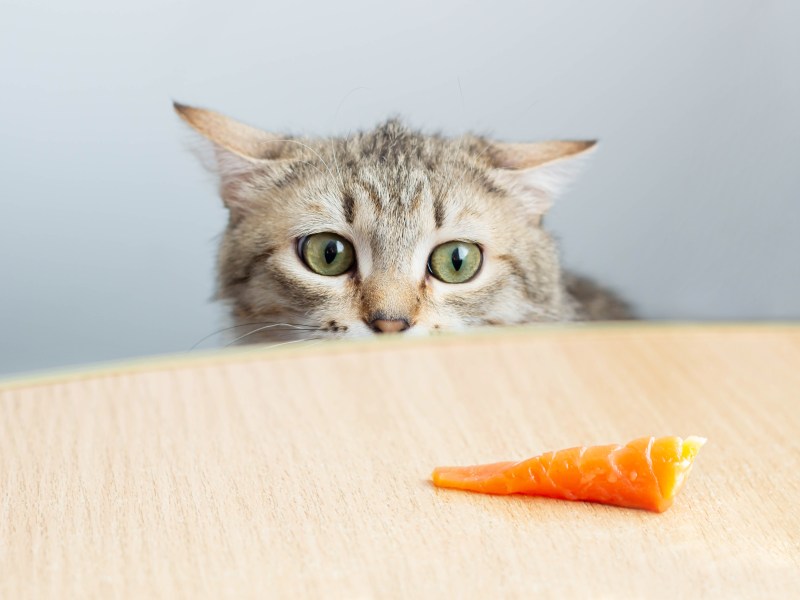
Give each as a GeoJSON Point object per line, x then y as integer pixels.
{"type": "Point", "coordinates": [304, 471]}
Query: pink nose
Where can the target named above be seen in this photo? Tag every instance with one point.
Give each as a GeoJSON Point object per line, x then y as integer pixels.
{"type": "Point", "coordinates": [389, 325]}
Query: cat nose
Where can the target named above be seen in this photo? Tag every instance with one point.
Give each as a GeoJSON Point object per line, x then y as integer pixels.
{"type": "Point", "coordinates": [388, 325]}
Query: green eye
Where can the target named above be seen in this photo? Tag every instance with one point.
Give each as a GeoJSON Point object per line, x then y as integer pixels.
{"type": "Point", "coordinates": [455, 262]}
{"type": "Point", "coordinates": [327, 253]}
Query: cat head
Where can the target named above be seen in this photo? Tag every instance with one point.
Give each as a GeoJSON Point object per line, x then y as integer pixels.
{"type": "Point", "coordinates": [385, 230]}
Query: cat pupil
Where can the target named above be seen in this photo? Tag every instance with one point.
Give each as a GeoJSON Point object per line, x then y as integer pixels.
{"type": "Point", "coordinates": [331, 250]}
{"type": "Point", "coordinates": [458, 257]}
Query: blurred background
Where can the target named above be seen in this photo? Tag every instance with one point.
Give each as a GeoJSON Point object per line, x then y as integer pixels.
{"type": "Point", "coordinates": [108, 224]}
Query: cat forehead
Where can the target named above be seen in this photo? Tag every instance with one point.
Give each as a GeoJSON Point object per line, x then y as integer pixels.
{"type": "Point", "coordinates": [394, 164]}
{"type": "Point", "coordinates": [392, 146]}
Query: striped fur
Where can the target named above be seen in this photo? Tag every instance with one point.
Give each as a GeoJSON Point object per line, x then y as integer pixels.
{"type": "Point", "coordinates": [395, 194]}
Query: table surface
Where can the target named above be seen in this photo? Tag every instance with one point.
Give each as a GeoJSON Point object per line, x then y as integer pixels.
{"type": "Point", "coordinates": [304, 472]}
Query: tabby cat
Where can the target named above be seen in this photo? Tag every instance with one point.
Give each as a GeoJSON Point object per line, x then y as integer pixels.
{"type": "Point", "coordinates": [391, 230]}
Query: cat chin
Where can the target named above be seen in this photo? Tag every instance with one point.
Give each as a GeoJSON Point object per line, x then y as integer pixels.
{"type": "Point", "coordinates": [417, 331]}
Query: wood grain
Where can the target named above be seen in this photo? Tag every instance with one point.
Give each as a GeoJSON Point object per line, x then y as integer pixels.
{"type": "Point", "coordinates": [305, 473]}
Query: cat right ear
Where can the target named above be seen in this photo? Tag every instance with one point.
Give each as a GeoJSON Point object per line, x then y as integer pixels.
{"type": "Point", "coordinates": [240, 151]}
{"type": "Point", "coordinates": [538, 172]}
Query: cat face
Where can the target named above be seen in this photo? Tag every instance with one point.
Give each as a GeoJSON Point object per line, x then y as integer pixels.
{"type": "Point", "coordinates": [388, 230]}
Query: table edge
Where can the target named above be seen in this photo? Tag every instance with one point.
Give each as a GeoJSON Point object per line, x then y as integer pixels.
{"type": "Point", "coordinates": [218, 356]}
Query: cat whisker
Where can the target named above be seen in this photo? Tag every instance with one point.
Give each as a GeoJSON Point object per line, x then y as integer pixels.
{"type": "Point", "coordinates": [270, 323]}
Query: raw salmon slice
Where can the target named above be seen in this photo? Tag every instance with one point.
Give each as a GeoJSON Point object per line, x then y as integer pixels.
{"type": "Point", "coordinates": [646, 473]}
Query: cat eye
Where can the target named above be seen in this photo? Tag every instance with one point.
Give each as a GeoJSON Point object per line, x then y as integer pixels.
{"type": "Point", "coordinates": [455, 262]}
{"type": "Point", "coordinates": [327, 253]}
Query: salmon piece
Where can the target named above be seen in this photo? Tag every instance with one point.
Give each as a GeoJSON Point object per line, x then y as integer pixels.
{"type": "Point", "coordinates": [646, 473]}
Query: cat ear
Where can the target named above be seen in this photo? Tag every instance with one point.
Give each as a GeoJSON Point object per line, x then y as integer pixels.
{"type": "Point", "coordinates": [237, 138]}
{"type": "Point", "coordinates": [239, 151]}
{"type": "Point", "coordinates": [540, 171]}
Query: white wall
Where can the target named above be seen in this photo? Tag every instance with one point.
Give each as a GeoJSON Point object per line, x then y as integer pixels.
{"type": "Point", "coordinates": [108, 225]}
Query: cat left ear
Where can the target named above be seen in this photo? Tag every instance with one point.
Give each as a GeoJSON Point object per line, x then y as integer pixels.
{"type": "Point", "coordinates": [237, 138]}
{"type": "Point", "coordinates": [538, 172]}
{"type": "Point", "coordinates": [239, 152]}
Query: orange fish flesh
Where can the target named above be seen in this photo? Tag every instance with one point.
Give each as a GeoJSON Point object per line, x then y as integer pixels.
{"type": "Point", "coordinates": [646, 473]}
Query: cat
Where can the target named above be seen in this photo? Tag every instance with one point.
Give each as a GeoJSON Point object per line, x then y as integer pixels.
{"type": "Point", "coordinates": [391, 231]}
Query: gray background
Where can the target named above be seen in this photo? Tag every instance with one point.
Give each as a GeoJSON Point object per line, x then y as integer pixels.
{"type": "Point", "coordinates": [108, 224]}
